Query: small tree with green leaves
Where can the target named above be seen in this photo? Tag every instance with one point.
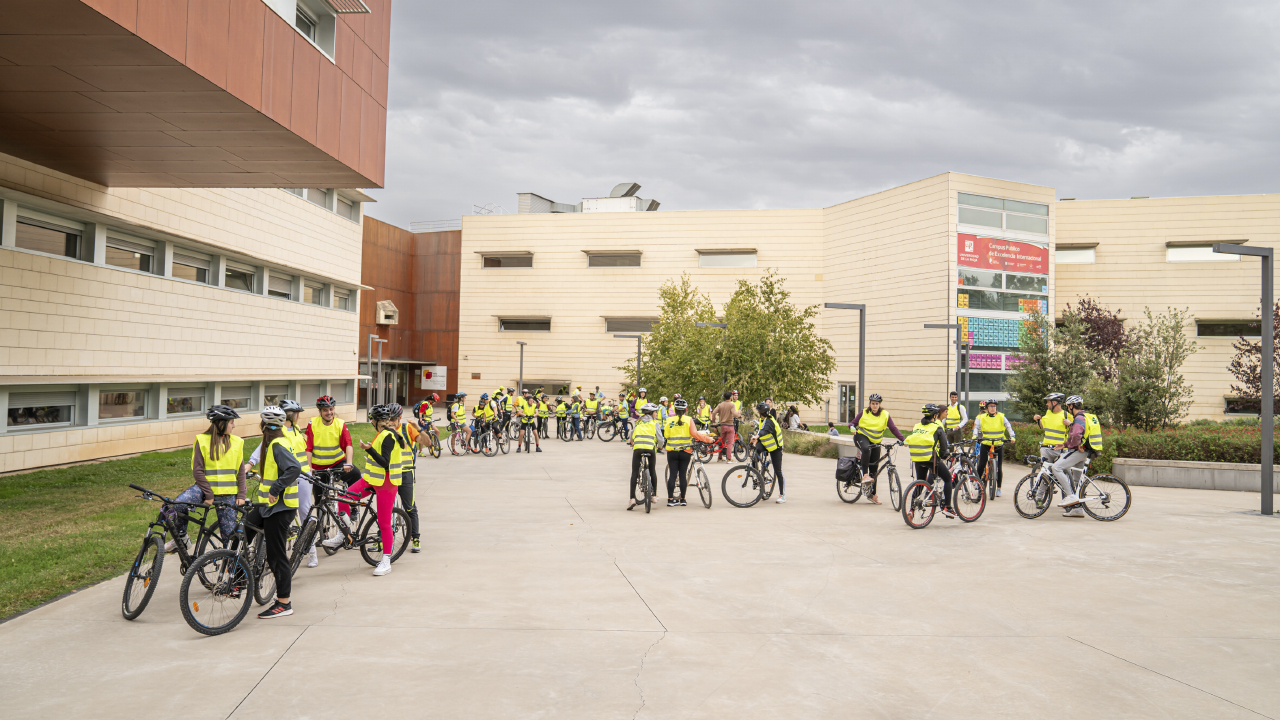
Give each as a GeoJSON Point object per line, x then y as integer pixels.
{"type": "Point", "coordinates": [1150, 389]}
{"type": "Point", "coordinates": [1051, 359]}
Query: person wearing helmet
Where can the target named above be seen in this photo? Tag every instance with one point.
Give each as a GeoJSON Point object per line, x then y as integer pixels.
{"type": "Point", "coordinates": [425, 412]}
{"type": "Point", "coordinates": [329, 441]}
{"type": "Point", "coordinates": [768, 435]}
{"type": "Point", "coordinates": [725, 416]}
{"type": "Point", "coordinates": [527, 409]}
{"type": "Point", "coordinates": [929, 447]}
{"type": "Point", "coordinates": [544, 416]}
{"type": "Point", "coordinates": [869, 427]}
{"type": "Point", "coordinates": [591, 407]}
{"type": "Point", "coordinates": [955, 417]}
{"type": "Point", "coordinates": [562, 413]}
{"type": "Point", "coordinates": [457, 414]}
{"type": "Point", "coordinates": [408, 436]}
{"type": "Point", "coordinates": [382, 476]}
{"type": "Point", "coordinates": [1054, 424]}
{"type": "Point", "coordinates": [1076, 450]}
{"type": "Point", "coordinates": [623, 413]}
{"type": "Point", "coordinates": [993, 430]}
{"type": "Point", "coordinates": [702, 415]}
{"type": "Point", "coordinates": [575, 417]}
{"type": "Point", "coordinates": [297, 439]}
{"type": "Point", "coordinates": [664, 408]}
{"type": "Point", "coordinates": [278, 488]}
{"type": "Point", "coordinates": [645, 441]}
{"type": "Point", "coordinates": [679, 433]}
{"type": "Point", "coordinates": [642, 399]}
{"type": "Point", "coordinates": [217, 473]}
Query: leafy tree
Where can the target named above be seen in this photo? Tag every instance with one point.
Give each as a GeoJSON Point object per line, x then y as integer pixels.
{"type": "Point", "coordinates": [1159, 348]}
{"type": "Point", "coordinates": [1246, 366]}
{"type": "Point", "coordinates": [674, 353]}
{"type": "Point", "coordinates": [1050, 360]}
{"type": "Point", "coordinates": [1104, 333]}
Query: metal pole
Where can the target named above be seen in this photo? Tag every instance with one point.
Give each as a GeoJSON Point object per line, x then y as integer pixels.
{"type": "Point", "coordinates": [368, 368]}
{"type": "Point", "coordinates": [382, 386]}
{"type": "Point", "coordinates": [639, 339]}
{"type": "Point", "coordinates": [1268, 385]}
{"type": "Point", "coordinates": [958, 360]}
{"type": "Point", "coordinates": [520, 381]}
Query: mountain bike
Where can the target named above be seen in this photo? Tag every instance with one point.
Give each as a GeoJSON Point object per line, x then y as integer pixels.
{"type": "Point", "coordinates": [458, 444]}
{"type": "Point", "coordinates": [1103, 497]}
{"type": "Point", "coordinates": [218, 589]}
{"type": "Point", "coordinates": [746, 485]}
{"type": "Point", "coordinates": [705, 451]}
{"type": "Point", "coordinates": [991, 471]}
{"type": "Point", "coordinates": [485, 440]}
{"type": "Point", "coordinates": [923, 498]}
{"type": "Point", "coordinates": [144, 574]}
{"type": "Point", "coordinates": [429, 440]}
{"type": "Point", "coordinates": [527, 430]}
{"type": "Point", "coordinates": [366, 535]}
{"type": "Point", "coordinates": [852, 490]}
{"type": "Point", "coordinates": [589, 425]}
{"type": "Point", "coordinates": [611, 428]}
{"type": "Point", "coordinates": [564, 428]}
{"type": "Point", "coordinates": [646, 483]}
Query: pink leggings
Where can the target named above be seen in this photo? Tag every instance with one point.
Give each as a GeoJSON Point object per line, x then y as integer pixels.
{"type": "Point", "coordinates": [386, 494]}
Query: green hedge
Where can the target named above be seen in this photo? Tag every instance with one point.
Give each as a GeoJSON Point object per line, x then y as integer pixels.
{"type": "Point", "coordinates": [807, 444]}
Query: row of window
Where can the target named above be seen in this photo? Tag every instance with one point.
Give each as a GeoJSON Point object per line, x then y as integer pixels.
{"type": "Point", "coordinates": [743, 259]}
{"type": "Point", "coordinates": [330, 200]}
{"type": "Point", "coordinates": [1003, 214]}
{"type": "Point", "coordinates": [1172, 254]}
{"type": "Point", "coordinates": [611, 325]}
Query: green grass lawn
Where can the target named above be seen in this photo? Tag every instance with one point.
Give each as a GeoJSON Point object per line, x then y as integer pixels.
{"type": "Point", "coordinates": [67, 528]}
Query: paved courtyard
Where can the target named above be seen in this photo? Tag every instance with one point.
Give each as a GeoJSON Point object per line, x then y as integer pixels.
{"type": "Point", "coordinates": [537, 596]}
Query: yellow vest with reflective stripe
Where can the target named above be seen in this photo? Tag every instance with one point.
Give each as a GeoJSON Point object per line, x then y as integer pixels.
{"type": "Point", "coordinates": [645, 436]}
{"type": "Point", "coordinates": [375, 475]}
{"type": "Point", "coordinates": [326, 441]}
{"type": "Point", "coordinates": [526, 409]}
{"type": "Point", "coordinates": [737, 405]}
{"type": "Point", "coordinates": [991, 429]}
{"type": "Point", "coordinates": [561, 409]}
{"type": "Point", "coordinates": [591, 406]}
{"type": "Point", "coordinates": [676, 431]}
{"type": "Point", "coordinates": [220, 473]}
{"type": "Point", "coordinates": [1055, 428]}
{"type": "Point", "coordinates": [507, 403]}
{"type": "Point", "coordinates": [543, 410]}
{"type": "Point", "coordinates": [298, 439]}
{"type": "Point", "coordinates": [771, 439]}
{"type": "Point", "coordinates": [1092, 432]}
{"type": "Point", "coordinates": [271, 473]}
{"type": "Point", "coordinates": [953, 417]}
{"type": "Point", "coordinates": [485, 410]}
{"type": "Point", "coordinates": [704, 414]}
{"type": "Point", "coordinates": [459, 412]}
{"type": "Point", "coordinates": [921, 441]}
{"type": "Point", "coordinates": [873, 426]}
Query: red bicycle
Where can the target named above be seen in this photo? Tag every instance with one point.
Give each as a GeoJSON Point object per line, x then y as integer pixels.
{"type": "Point", "coordinates": [706, 451]}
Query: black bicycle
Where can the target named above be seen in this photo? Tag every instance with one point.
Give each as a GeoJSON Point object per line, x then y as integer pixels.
{"type": "Point", "coordinates": [366, 535]}
{"type": "Point", "coordinates": [527, 429]}
{"type": "Point", "coordinates": [144, 574]}
{"type": "Point", "coordinates": [746, 485]}
{"type": "Point", "coordinates": [487, 439]}
{"type": "Point", "coordinates": [614, 427]}
{"type": "Point", "coordinates": [218, 589]}
{"type": "Point", "coordinates": [854, 488]}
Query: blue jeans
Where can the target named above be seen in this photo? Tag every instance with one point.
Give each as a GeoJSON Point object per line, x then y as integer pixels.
{"type": "Point", "coordinates": [193, 495]}
{"type": "Point", "coordinates": [577, 428]}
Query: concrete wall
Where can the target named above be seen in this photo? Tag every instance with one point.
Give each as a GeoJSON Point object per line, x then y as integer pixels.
{"type": "Point", "coordinates": [1240, 477]}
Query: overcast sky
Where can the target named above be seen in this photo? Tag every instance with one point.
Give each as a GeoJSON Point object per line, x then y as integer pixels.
{"type": "Point", "coordinates": [717, 104]}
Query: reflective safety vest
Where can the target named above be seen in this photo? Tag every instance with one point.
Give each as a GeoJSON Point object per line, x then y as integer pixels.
{"type": "Point", "coordinates": [271, 473]}
{"type": "Point", "coordinates": [485, 410]}
{"type": "Point", "coordinates": [645, 436]}
{"type": "Point", "coordinates": [1055, 428]}
{"type": "Point", "coordinates": [922, 442]}
{"type": "Point", "coordinates": [991, 429]}
{"type": "Point", "coordinates": [953, 417]}
{"type": "Point", "coordinates": [1092, 432]}
{"type": "Point", "coordinates": [527, 408]}
{"type": "Point", "coordinates": [508, 403]}
{"type": "Point", "coordinates": [326, 441]}
{"type": "Point", "coordinates": [575, 410]}
{"type": "Point", "coordinates": [873, 426]}
{"type": "Point", "coordinates": [375, 475]}
{"type": "Point", "coordinates": [298, 439]}
{"type": "Point", "coordinates": [704, 414]}
{"type": "Point", "coordinates": [771, 435]}
{"type": "Point", "coordinates": [592, 406]}
{"type": "Point", "coordinates": [561, 409]}
{"type": "Point", "coordinates": [676, 431]}
{"type": "Point", "coordinates": [737, 405]}
{"type": "Point", "coordinates": [220, 473]}
{"type": "Point", "coordinates": [543, 410]}
{"type": "Point", "coordinates": [458, 412]}
{"type": "Point", "coordinates": [426, 410]}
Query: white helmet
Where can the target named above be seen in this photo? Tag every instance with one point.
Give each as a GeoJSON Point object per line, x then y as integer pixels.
{"type": "Point", "coordinates": [662, 399]}
{"type": "Point", "coordinates": [272, 415]}
{"type": "Point", "coordinates": [649, 407]}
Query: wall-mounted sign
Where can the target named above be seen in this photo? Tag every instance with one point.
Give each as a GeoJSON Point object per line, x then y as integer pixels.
{"type": "Point", "coordinates": [434, 377]}
{"type": "Point", "coordinates": [987, 253]}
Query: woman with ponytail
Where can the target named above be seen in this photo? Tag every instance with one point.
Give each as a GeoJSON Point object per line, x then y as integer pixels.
{"type": "Point", "coordinates": [680, 432]}
{"type": "Point", "coordinates": [278, 488]}
{"type": "Point", "coordinates": [216, 457]}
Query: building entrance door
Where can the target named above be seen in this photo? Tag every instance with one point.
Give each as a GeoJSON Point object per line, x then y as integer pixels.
{"type": "Point", "coordinates": [848, 403]}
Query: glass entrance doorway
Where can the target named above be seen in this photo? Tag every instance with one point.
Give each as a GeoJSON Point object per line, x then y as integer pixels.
{"type": "Point", "coordinates": [848, 402]}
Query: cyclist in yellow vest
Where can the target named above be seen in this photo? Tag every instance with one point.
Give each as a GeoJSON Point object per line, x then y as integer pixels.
{"type": "Point", "coordinates": [703, 414]}
{"type": "Point", "coordinates": [457, 413]}
{"type": "Point", "coordinates": [954, 418]}
{"type": "Point", "coordinates": [383, 474]}
{"type": "Point", "coordinates": [645, 441]}
{"type": "Point", "coordinates": [678, 431]}
{"type": "Point", "coordinates": [562, 412]}
{"type": "Point", "coordinates": [929, 448]}
{"type": "Point", "coordinates": [1054, 424]}
{"type": "Point", "coordinates": [769, 436]}
{"type": "Point", "coordinates": [575, 417]}
{"type": "Point", "coordinates": [425, 413]}
{"type": "Point", "coordinates": [993, 430]}
{"type": "Point", "coordinates": [329, 441]}
{"type": "Point", "coordinates": [869, 427]}
{"type": "Point", "coordinates": [279, 490]}
{"type": "Point", "coordinates": [217, 468]}
{"type": "Point", "coordinates": [623, 413]}
{"type": "Point", "coordinates": [407, 491]}
{"type": "Point", "coordinates": [527, 409]}
{"type": "Point", "coordinates": [1084, 441]}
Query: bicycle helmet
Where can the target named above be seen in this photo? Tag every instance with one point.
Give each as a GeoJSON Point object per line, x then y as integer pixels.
{"type": "Point", "coordinates": [930, 409]}
{"type": "Point", "coordinates": [702, 397]}
{"type": "Point", "coordinates": [222, 412]}
{"type": "Point", "coordinates": [663, 399]}
{"type": "Point", "coordinates": [875, 397]}
{"type": "Point", "coordinates": [1075, 400]}
{"type": "Point", "coordinates": [484, 396]}
{"type": "Point", "coordinates": [460, 395]}
{"type": "Point", "coordinates": [1054, 396]}
{"type": "Point", "coordinates": [272, 415]}
{"type": "Point", "coordinates": [325, 401]}
{"type": "Point", "coordinates": [648, 408]}
{"type": "Point", "coordinates": [642, 390]}
{"type": "Point", "coordinates": [511, 389]}
{"type": "Point", "coordinates": [288, 405]}
{"type": "Point", "coordinates": [991, 402]}
{"type": "Point", "coordinates": [378, 413]}
{"type": "Point", "coordinates": [435, 398]}
{"type": "Point", "coordinates": [734, 392]}
{"type": "Point", "coordinates": [525, 391]}
{"type": "Point", "coordinates": [762, 408]}
{"type": "Point", "coordinates": [677, 396]}
{"type": "Point", "coordinates": [681, 404]}
{"type": "Point", "coordinates": [395, 410]}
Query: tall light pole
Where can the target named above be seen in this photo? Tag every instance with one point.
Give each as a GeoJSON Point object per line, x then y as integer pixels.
{"type": "Point", "coordinates": [373, 377]}
{"type": "Point", "coordinates": [862, 347]}
{"type": "Point", "coordinates": [639, 340]}
{"type": "Point", "coordinates": [520, 381]}
{"type": "Point", "coordinates": [949, 326]}
{"type": "Point", "coordinates": [1267, 390]}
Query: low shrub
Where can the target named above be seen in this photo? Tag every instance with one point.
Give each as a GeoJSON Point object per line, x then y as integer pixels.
{"type": "Point", "coordinates": [802, 443]}
{"type": "Point", "coordinates": [1233, 441]}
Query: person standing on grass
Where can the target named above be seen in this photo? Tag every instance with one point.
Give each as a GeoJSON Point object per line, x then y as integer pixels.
{"type": "Point", "coordinates": [726, 417]}
{"type": "Point", "coordinates": [216, 468]}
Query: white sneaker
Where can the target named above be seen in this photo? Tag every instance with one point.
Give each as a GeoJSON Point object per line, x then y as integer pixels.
{"type": "Point", "coordinates": [1070, 500]}
{"type": "Point", "coordinates": [997, 492]}
{"type": "Point", "coordinates": [335, 541]}
{"type": "Point", "coordinates": [384, 566]}
{"type": "Point", "coordinates": [172, 546]}
{"type": "Point", "coordinates": [312, 559]}
{"type": "Point", "coordinates": [781, 499]}
{"type": "Point", "coordinates": [1074, 512]}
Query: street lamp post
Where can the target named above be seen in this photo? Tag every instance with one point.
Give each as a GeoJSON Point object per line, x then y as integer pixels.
{"type": "Point", "coordinates": [520, 380]}
{"type": "Point", "coordinates": [956, 327]}
{"type": "Point", "coordinates": [862, 346]}
{"type": "Point", "coordinates": [373, 377]}
{"type": "Point", "coordinates": [639, 339]}
{"type": "Point", "coordinates": [1267, 391]}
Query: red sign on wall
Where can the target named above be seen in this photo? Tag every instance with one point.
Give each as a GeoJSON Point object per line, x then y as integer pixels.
{"type": "Point", "coordinates": [1003, 255]}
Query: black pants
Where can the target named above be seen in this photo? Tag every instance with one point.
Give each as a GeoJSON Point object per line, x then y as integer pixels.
{"type": "Point", "coordinates": [870, 458]}
{"type": "Point", "coordinates": [774, 457]}
{"type": "Point", "coordinates": [677, 468]}
{"type": "Point", "coordinates": [939, 469]}
{"type": "Point", "coordinates": [635, 469]}
{"type": "Point", "coordinates": [275, 530]}
{"type": "Point", "coordinates": [409, 501]}
{"type": "Point", "coordinates": [999, 468]}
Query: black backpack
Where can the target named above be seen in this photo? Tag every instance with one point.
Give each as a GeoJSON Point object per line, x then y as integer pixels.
{"type": "Point", "coordinates": [846, 468]}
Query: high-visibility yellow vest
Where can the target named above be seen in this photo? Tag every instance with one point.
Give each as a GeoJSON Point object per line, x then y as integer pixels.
{"type": "Point", "coordinates": [676, 431]}
{"type": "Point", "coordinates": [561, 409]}
{"type": "Point", "coordinates": [953, 417]}
{"type": "Point", "coordinates": [375, 475]}
{"type": "Point", "coordinates": [526, 408]}
{"type": "Point", "coordinates": [220, 473]}
{"type": "Point", "coordinates": [1092, 432]}
{"type": "Point", "coordinates": [298, 439]}
{"type": "Point", "coordinates": [508, 403]}
{"type": "Point", "coordinates": [873, 426]}
{"type": "Point", "coordinates": [645, 436]}
{"type": "Point", "coordinates": [427, 410]}
{"type": "Point", "coordinates": [459, 412]}
{"type": "Point", "coordinates": [737, 405]}
{"type": "Point", "coordinates": [771, 435]}
{"type": "Point", "coordinates": [484, 410]}
{"type": "Point", "coordinates": [1055, 428]}
{"type": "Point", "coordinates": [406, 459]}
{"type": "Point", "coordinates": [543, 410]}
{"type": "Point", "coordinates": [592, 406]}
{"type": "Point", "coordinates": [921, 441]}
{"type": "Point", "coordinates": [991, 429]}
{"type": "Point", "coordinates": [704, 414]}
{"type": "Point", "coordinates": [326, 441]}
{"type": "Point", "coordinates": [575, 409]}
{"type": "Point", "coordinates": [271, 473]}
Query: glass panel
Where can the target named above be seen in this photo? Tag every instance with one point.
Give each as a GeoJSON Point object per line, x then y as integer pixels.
{"type": "Point", "coordinates": [313, 294]}
{"type": "Point", "coordinates": [1027, 283]}
{"type": "Point", "coordinates": [986, 382]}
{"type": "Point", "coordinates": [613, 261]}
{"type": "Point", "coordinates": [980, 278]}
{"type": "Point", "coordinates": [305, 25]}
{"type": "Point", "coordinates": [526, 325]}
{"type": "Point", "coordinates": [986, 218]}
{"type": "Point", "coordinates": [346, 209]}
{"type": "Point", "coordinates": [239, 280]}
{"type": "Point", "coordinates": [1197, 253]}
{"type": "Point", "coordinates": [294, 191]}
{"type": "Point", "coordinates": [42, 239]}
{"type": "Point", "coordinates": [115, 405]}
{"type": "Point", "coordinates": [508, 261]}
{"type": "Point", "coordinates": [1026, 207]}
{"type": "Point", "coordinates": [128, 259]}
{"type": "Point", "coordinates": [342, 300]}
{"type": "Point", "coordinates": [185, 403]}
{"type": "Point", "coordinates": [318, 196]}
{"type": "Point", "coordinates": [629, 324]}
{"type": "Point", "coordinates": [1040, 226]}
{"type": "Point", "coordinates": [279, 294]}
{"type": "Point", "coordinates": [1002, 301]}
{"type": "Point", "coordinates": [1229, 328]}
{"type": "Point", "coordinates": [735, 260]}
{"type": "Point", "coordinates": [186, 272]}
{"type": "Point", "coordinates": [981, 201]}
{"type": "Point", "coordinates": [236, 396]}
{"type": "Point", "coordinates": [310, 392]}
{"type": "Point", "coordinates": [44, 415]}
{"type": "Point", "coordinates": [1075, 256]}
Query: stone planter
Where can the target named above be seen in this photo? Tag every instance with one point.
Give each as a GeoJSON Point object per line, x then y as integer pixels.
{"type": "Point", "coordinates": [1241, 477]}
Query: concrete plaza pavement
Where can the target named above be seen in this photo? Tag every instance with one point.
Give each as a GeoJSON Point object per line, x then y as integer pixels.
{"type": "Point", "coordinates": [537, 595]}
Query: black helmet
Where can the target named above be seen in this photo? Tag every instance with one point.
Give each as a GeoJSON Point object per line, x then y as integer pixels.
{"type": "Point", "coordinates": [930, 410]}
{"type": "Point", "coordinates": [378, 413]}
{"type": "Point", "coordinates": [875, 397]}
{"type": "Point", "coordinates": [325, 401]}
{"type": "Point", "coordinates": [222, 412]}
{"type": "Point", "coordinates": [288, 405]}
{"type": "Point", "coordinates": [762, 408]}
{"type": "Point", "coordinates": [1054, 396]}
{"type": "Point", "coordinates": [394, 410]}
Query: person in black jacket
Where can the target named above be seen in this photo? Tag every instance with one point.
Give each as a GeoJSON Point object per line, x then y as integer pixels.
{"type": "Point", "coordinates": [279, 489]}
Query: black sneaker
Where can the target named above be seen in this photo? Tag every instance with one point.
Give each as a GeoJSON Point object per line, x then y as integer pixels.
{"type": "Point", "coordinates": [671, 502]}
{"type": "Point", "coordinates": [277, 609]}
{"type": "Point", "coordinates": [683, 503]}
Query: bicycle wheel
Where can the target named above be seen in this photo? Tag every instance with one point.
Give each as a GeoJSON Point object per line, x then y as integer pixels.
{"type": "Point", "coordinates": [1033, 496]}
{"type": "Point", "coordinates": [302, 546]}
{"type": "Point", "coordinates": [739, 450]}
{"type": "Point", "coordinates": [218, 608]}
{"type": "Point", "coordinates": [489, 444]}
{"type": "Point", "coordinates": [646, 483]}
{"type": "Point", "coordinates": [371, 538]}
{"type": "Point", "coordinates": [742, 486]}
{"type": "Point", "coordinates": [328, 526]}
{"type": "Point", "coordinates": [457, 445]}
{"type": "Point", "coordinates": [968, 498]}
{"type": "Point", "coordinates": [265, 587]}
{"type": "Point", "coordinates": [590, 430]}
{"type": "Point", "coordinates": [702, 452]}
{"type": "Point", "coordinates": [608, 431]}
{"type": "Point", "coordinates": [918, 506]}
{"type": "Point", "coordinates": [769, 479]}
{"type": "Point", "coordinates": [1105, 497]}
{"type": "Point", "coordinates": [850, 490]}
{"type": "Point", "coordinates": [143, 577]}
{"type": "Point", "coordinates": [528, 437]}
{"type": "Point", "coordinates": [502, 441]}
{"type": "Point", "coordinates": [433, 445]}
{"type": "Point", "coordinates": [704, 487]}
{"type": "Point", "coordinates": [895, 489]}
{"type": "Point", "coordinates": [562, 429]}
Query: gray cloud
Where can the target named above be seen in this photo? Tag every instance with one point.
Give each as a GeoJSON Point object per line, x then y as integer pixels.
{"type": "Point", "coordinates": [753, 105]}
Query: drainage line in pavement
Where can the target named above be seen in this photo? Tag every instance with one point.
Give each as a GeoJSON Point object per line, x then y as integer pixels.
{"type": "Point", "coordinates": [268, 672]}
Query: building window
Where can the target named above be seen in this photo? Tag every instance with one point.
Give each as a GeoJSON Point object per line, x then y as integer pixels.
{"type": "Point", "coordinates": [294, 191]}
{"type": "Point", "coordinates": [239, 279]}
{"type": "Point", "coordinates": [305, 24]}
{"type": "Point", "coordinates": [973, 299]}
{"type": "Point", "coordinates": [1229, 328]}
{"type": "Point", "coordinates": [341, 391]}
{"type": "Point", "coordinates": [315, 20]}
{"type": "Point", "coordinates": [1196, 253]}
{"type": "Point", "coordinates": [1075, 256]}
{"type": "Point", "coordinates": [727, 259]}
{"type": "Point", "coordinates": [1004, 214]}
{"type": "Point", "coordinates": [237, 396]}
{"type": "Point", "coordinates": [129, 254]}
{"type": "Point", "coordinates": [525, 325]}
{"type": "Point", "coordinates": [47, 238]}
{"type": "Point", "coordinates": [508, 261]}
{"type": "Point", "coordinates": [342, 299]}
{"type": "Point", "coordinates": [621, 260]}
{"type": "Point", "coordinates": [348, 209]}
{"type": "Point", "coordinates": [273, 394]}
{"type": "Point", "coordinates": [44, 409]}
{"type": "Point", "coordinates": [319, 197]}
{"type": "Point", "coordinates": [280, 286]}
{"type": "Point", "coordinates": [185, 400]}
{"type": "Point", "coordinates": [122, 405]}
{"type": "Point", "coordinates": [313, 294]}
{"type": "Point", "coordinates": [190, 267]}
{"type": "Point", "coordinates": [310, 392]}
{"type": "Point", "coordinates": [629, 324]}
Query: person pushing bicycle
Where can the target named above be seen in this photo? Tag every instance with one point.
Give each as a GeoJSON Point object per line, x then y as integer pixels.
{"type": "Point", "coordinates": [645, 441]}
{"type": "Point", "coordinates": [993, 430]}
{"type": "Point", "coordinates": [929, 446]}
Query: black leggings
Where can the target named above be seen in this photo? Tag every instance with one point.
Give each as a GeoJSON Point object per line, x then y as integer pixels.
{"type": "Point", "coordinates": [939, 469]}
{"type": "Point", "coordinates": [775, 457]}
{"type": "Point", "coordinates": [870, 458]}
{"type": "Point", "coordinates": [275, 530]}
{"type": "Point", "coordinates": [677, 466]}
{"type": "Point", "coordinates": [635, 469]}
{"type": "Point", "coordinates": [410, 502]}
{"type": "Point", "coordinates": [999, 463]}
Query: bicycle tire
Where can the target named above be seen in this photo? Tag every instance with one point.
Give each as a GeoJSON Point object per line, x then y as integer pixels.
{"type": "Point", "coordinates": [590, 430]}
{"type": "Point", "coordinates": [704, 487]}
{"type": "Point", "coordinates": [769, 478]}
{"type": "Point", "coordinates": [739, 450]}
{"type": "Point", "coordinates": [607, 432]}
{"type": "Point", "coordinates": [646, 485]}
{"type": "Point", "coordinates": [1033, 507]}
{"type": "Point", "coordinates": [263, 589]}
{"type": "Point", "coordinates": [232, 577]}
{"type": "Point", "coordinates": [489, 445]}
{"type": "Point", "coordinates": [455, 439]}
{"type": "Point", "coordinates": [528, 437]}
{"type": "Point", "coordinates": [968, 498]}
{"type": "Point", "coordinates": [502, 441]}
{"type": "Point", "coordinates": [371, 548]}
{"type": "Point", "coordinates": [917, 509]}
{"type": "Point", "coordinates": [744, 479]}
{"type": "Point", "coordinates": [850, 491]}
{"type": "Point", "coordinates": [328, 526]}
{"type": "Point", "coordinates": [895, 489]}
{"type": "Point", "coordinates": [433, 445]}
{"type": "Point", "coordinates": [702, 452]}
{"type": "Point", "coordinates": [302, 546]}
{"type": "Point", "coordinates": [565, 433]}
{"type": "Point", "coordinates": [136, 598]}
{"type": "Point", "coordinates": [1115, 485]}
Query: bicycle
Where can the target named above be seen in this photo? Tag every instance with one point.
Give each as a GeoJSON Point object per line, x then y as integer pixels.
{"type": "Point", "coordinates": [749, 483]}
{"type": "Point", "coordinates": [990, 472]}
{"type": "Point", "coordinates": [225, 581]}
{"type": "Point", "coordinates": [706, 450]}
{"type": "Point", "coordinates": [924, 497]}
{"type": "Point", "coordinates": [611, 428]}
{"type": "Point", "coordinates": [458, 444]}
{"type": "Point", "coordinates": [589, 424]}
{"type": "Point", "coordinates": [702, 481]}
{"type": "Point", "coordinates": [852, 490]}
{"type": "Point", "coordinates": [646, 483]}
{"type": "Point", "coordinates": [144, 574]}
{"type": "Point", "coordinates": [564, 428]}
{"type": "Point", "coordinates": [366, 536]}
{"type": "Point", "coordinates": [527, 430]}
{"type": "Point", "coordinates": [429, 439]}
{"type": "Point", "coordinates": [486, 439]}
{"type": "Point", "coordinates": [1098, 493]}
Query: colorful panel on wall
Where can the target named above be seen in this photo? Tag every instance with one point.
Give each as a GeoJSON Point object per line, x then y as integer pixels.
{"type": "Point", "coordinates": [1004, 255]}
{"type": "Point", "coordinates": [991, 332]}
